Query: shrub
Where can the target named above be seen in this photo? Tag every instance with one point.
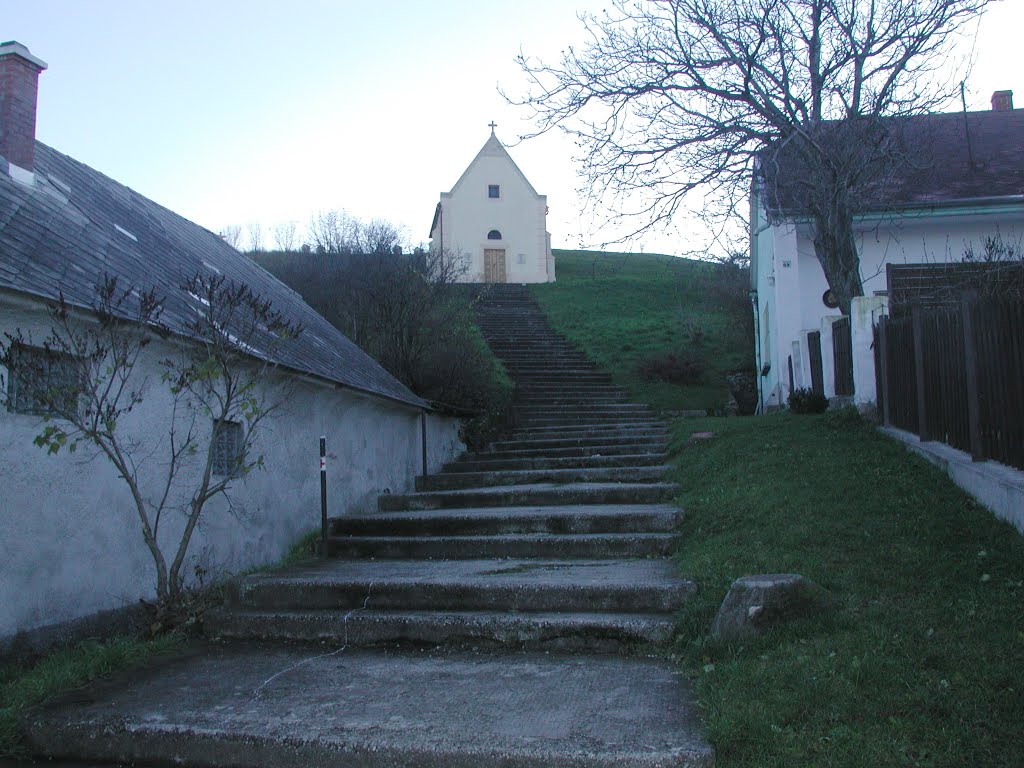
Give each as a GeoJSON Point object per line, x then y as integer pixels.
{"type": "Point", "coordinates": [806, 400]}
{"type": "Point", "coordinates": [407, 312]}
{"type": "Point", "coordinates": [673, 368]}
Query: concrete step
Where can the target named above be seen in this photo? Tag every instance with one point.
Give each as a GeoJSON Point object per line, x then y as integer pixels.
{"type": "Point", "coordinates": [610, 411]}
{"type": "Point", "coordinates": [485, 521]}
{"type": "Point", "coordinates": [571, 451]}
{"type": "Point", "coordinates": [497, 465]}
{"type": "Point", "coordinates": [542, 493]}
{"type": "Point", "coordinates": [524, 586]}
{"type": "Point", "coordinates": [444, 481]}
{"type": "Point", "coordinates": [621, 430]}
{"type": "Point", "coordinates": [587, 546]}
{"type": "Point", "coordinates": [575, 632]}
{"type": "Point", "coordinates": [625, 430]}
{"type": "Point", "coordinates": [294, 706]}
{"type": "Point", "coordinates": [528, 400]}
{"type": "Point", "coordinates": [582, 422]}
{"type": "Point", "coordinates": [591, 441]}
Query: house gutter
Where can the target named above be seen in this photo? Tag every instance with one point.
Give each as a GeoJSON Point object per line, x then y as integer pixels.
{"type": "Point", "coordinates": [965, 207]}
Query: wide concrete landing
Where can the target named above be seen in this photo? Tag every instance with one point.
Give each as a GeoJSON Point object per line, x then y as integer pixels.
{"type": "Point", "coordinates": [298, 707]}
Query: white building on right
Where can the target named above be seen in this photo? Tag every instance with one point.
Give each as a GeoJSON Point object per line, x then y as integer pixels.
{"type": "Point", "coordinates": [975, 191]}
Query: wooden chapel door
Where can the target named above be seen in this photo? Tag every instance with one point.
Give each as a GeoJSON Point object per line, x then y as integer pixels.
{"type": "Point", "coordinates": [494, 265]}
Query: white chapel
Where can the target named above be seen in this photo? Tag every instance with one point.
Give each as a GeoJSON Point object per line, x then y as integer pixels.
{"type": "Point", "coordinates": [495, 220]}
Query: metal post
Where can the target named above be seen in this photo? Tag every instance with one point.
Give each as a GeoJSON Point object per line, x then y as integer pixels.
{"type": "Point", "coordinates": [323, 496]}
{"type": "Point", "coordinates": [423, 441]}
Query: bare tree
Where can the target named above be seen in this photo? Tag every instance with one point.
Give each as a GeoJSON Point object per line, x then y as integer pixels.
{"type": "Point", "coordinates": [379, 236]}
{"type": "Point", "coordinates": [284, 236]}
{"type": "Point", "coordinates": [255, 230]}
{"type": "Point", "coordinates": [90, 374]}
{"type": "Point", "coordinates": [335, 231]}
{"type": "Point", "coordinates": [669, 97]}
{"type": "Point", "coordinates": [232, 235]}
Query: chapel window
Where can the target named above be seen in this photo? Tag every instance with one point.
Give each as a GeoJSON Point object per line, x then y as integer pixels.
{"type": "Point", "coordinates": [493, 191]}
{"type": "Point", "coordinates": [494, 235]}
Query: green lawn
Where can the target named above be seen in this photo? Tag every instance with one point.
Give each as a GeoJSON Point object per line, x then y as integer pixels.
{"type": "Point", "coordinates": [922, 664]}
{"type": "Point", "coordinates": [623, 308]}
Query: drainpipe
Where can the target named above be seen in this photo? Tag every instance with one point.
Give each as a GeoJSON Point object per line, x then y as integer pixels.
{"type": "Point", "coordinates": [757, 336]}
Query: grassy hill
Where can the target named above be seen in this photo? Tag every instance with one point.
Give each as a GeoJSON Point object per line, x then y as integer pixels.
{"type": "Point", "coordinates": [628, 309]}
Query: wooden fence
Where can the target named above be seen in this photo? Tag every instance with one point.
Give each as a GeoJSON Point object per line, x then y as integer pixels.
{"type": "Point", "coordinates": [956, 374]}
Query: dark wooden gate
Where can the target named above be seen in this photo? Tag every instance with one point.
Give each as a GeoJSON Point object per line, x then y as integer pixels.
{"type": "Point", "coordinates": [814, 353]}
{"type": "Point", "coordinates": [842, 357]}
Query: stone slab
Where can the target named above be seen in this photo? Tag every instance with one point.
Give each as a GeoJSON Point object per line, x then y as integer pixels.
{"type": "Point", "coordinates": [296, 707]}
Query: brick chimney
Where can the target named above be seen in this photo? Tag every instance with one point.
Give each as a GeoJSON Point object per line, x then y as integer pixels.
{"type": "Point", "coordinates": [19, 85]}
{"type": "Point", "coordinates": [1002, 101]}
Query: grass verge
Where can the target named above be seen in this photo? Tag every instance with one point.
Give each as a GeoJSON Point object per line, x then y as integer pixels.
{"type": "Point", "coordinates": [923, 662]}
{"type": "Point", "coordinates": [622, 309]}
{"type": "Point", "coordinates": [23, 687]}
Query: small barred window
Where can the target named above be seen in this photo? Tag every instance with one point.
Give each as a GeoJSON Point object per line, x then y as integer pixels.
{"type": "Point", "coordinates": [42, 382]}
{"type": "Point", "coordinates": [227, 448]}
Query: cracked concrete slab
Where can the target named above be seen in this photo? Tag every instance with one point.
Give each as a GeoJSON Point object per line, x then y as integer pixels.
{"type": "Point", "coordinates": [285, 707]}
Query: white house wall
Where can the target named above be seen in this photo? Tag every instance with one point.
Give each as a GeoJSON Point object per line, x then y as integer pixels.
{"type": "Point", "coordinates": [790, 281]}
{"type": "Point", "coordinates": [70, 541]}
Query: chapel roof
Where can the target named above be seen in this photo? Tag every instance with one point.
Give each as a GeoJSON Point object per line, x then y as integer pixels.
{"type": "Point", "coordinates": [494, 148]}
{"type": "Point", "coordinates": [946, 159]}
{"type": "Point", "coordinates": [74, 225]}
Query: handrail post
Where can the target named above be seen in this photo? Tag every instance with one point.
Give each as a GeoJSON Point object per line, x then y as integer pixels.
{"type": "Point", "coordinates": [423, 442]}
{"type": "Point", "coordinates": [323, 496]}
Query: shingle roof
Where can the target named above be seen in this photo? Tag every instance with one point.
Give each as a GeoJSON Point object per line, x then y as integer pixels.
{"type": "Point", "coordinates": [946, 159]}
{"type": "Point", "coordinates": [74, 225]}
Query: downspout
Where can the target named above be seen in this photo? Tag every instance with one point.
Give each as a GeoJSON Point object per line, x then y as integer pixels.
{"type": "Point", "coordinates": [757, 336]}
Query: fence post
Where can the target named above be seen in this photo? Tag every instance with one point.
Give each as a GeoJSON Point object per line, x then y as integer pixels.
{"type": "Point", "coordinates": [971, 372]}
{"type": "Point", "coordinates": [883, 350]}
{"type": "Point", "coordinates": [323, 496]}
{"type": "Point", "coordinates": [917, 322]}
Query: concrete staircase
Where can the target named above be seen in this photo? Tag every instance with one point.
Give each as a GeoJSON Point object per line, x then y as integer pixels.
{"type": "Point", "coordinates": [555, 536]}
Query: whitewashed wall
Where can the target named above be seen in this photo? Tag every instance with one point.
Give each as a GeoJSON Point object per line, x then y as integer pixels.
{"type": "Point", "coordinates": [790, 282]}
{"type": "Point", "coordinates": [70, 540]}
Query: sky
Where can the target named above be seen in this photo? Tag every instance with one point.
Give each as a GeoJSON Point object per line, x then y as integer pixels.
{"type": "Point", "coordinates": [234, 112]}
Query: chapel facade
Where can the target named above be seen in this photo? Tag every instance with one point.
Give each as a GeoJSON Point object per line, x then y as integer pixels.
{"type": "Point", "coordinates": [494, 221]}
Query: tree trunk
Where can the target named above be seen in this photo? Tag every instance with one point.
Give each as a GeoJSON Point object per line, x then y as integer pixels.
{"type": "Point", "coordinates": [836, 248]}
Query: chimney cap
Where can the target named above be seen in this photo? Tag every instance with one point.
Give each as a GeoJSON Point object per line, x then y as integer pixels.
{"type": "Point", "coordinates": [14, 48]}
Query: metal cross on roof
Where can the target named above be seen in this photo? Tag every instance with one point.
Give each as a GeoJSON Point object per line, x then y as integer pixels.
{"type": "Point", "coordinates": [492, 125]}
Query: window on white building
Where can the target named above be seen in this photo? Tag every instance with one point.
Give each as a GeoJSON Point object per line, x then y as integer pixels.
{"type": "Point", "coordinates": [227, 448]}
{"type": "Point", "coordinates": [41, 382]}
